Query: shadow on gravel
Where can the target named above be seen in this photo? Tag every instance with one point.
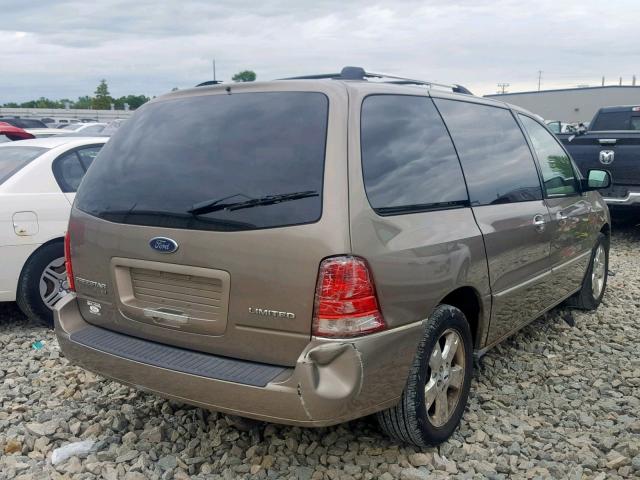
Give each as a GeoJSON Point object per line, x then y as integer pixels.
{"type": "Point", "coordinates": [12, 317]}
{"type": "Point", "coordinates": [10, 311]}
{"type": "Point", "coordinates": [626, 223]}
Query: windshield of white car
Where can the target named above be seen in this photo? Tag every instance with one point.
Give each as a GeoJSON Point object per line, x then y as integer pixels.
{"type": "Point", "coordinates": [14, 158]}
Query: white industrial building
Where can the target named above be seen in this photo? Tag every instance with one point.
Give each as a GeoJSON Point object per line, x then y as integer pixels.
{"type": "Point", "coordinates": [572, 105]}
{"type": "Point", "coordinates": [65, 113]}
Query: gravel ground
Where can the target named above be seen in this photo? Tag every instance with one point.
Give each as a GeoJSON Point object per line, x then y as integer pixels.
{"type": "Point", "coordinates": [551, 402]}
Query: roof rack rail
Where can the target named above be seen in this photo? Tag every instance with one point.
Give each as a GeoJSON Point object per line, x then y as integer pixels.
{"type": "Point", "coordinates": [359, 73]}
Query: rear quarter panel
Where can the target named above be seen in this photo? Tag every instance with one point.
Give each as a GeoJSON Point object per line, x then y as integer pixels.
{"type": "Point", "coordinates": [33, 193]}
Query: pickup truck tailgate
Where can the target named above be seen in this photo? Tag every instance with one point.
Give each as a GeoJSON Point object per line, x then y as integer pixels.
{"type": "Point", "coordinates": [618, 152]}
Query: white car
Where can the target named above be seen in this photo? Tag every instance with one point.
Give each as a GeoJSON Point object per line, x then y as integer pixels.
{"type": "Point", "coordinates": [38, 181]}
{"type": "Point", "coordinates": [86, 129]}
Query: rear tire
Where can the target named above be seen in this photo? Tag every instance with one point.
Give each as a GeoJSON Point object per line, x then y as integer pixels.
{"type": "Point", "coordinates": [42, 283]}
{"type": "Point", "coordinates": [437, 389]}
{"type": "Point", "coordinates": [594, 284]}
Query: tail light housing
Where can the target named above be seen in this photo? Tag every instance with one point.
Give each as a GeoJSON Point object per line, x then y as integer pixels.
{"type": "Point", "coordinates": [67, 262]}
{"type": "Point", "coordinates": [346, 304]}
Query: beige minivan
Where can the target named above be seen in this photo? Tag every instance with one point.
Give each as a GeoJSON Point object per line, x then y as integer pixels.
{"type": "Point", "coordinates": [308, 251]}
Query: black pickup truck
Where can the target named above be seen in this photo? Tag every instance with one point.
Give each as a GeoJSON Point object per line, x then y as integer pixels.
{"type": "Point", "coordinates": [612, 142]}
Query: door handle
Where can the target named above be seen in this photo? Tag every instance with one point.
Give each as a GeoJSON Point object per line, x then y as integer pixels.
{"type": "Point", "coordinates": [539, 222]}
{"type": "Point", "coordinates": [166, 316]}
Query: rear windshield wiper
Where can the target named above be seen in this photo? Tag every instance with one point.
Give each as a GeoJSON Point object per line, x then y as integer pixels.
{"type": "Point", "coordinates": [215, 205]}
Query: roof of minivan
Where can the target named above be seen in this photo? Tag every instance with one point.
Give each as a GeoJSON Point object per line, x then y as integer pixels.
{"type": "Point", "coordinates": [331, 83]}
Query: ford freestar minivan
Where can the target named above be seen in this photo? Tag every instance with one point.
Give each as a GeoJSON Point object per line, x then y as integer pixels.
{"type": "Point", "coordinates": [313, 250]}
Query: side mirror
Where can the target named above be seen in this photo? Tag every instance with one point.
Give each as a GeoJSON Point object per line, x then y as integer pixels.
{"type": "Point", "coordinates": [596, 180]}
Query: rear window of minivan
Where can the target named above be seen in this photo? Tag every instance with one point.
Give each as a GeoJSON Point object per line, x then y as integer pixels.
{"type": "Point", "coordinates": [237, 161]}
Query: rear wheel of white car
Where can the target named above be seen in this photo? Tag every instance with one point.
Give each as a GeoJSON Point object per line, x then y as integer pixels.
{"type": "Point", "coordinates": [437, 389]}
{"type": "Point", "coordinates": [43, 282]}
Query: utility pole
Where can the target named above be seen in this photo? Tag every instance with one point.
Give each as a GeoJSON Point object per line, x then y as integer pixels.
{"type": "Point", "coordinates": [603, 80]}
{"type": "Point", "coordinates": [633, 81]}
{"type": "Point", "coordinates": [620, 81]}
{"type": "Point", "coordinates": [502, 88]}
{"type": "Point", "coordinates": [539, 78]}
{"type": "Point", "coordinates": [214, 69]}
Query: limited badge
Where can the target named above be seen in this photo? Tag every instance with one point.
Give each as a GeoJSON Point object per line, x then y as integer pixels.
{"type": "Point", "coordinates": [94, 307]}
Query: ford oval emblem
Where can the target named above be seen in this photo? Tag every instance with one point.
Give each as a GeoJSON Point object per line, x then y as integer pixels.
{"type": "Point", "coordinates": [163, 244]}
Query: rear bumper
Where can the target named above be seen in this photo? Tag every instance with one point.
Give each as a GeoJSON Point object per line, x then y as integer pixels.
{"type": "Point", "coordinates": [333, 381]}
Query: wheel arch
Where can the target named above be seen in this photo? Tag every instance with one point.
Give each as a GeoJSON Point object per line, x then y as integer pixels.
{"type": "Point", "coordinates": [467, 299]}
{"type": "Point", "coordinates": [35, 252]}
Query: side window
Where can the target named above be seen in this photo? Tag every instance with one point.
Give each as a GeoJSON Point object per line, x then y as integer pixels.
{"type": "Point", "coordinates": [408, 161]}
{"type": "Point", "coordinates": [496, 159]}
{"type": "Point", "coordinates": [88, 155]}
{"type": "Point", "coordinates": [68, 171]}
{"type": "Point", "coordinates": [557, 172]}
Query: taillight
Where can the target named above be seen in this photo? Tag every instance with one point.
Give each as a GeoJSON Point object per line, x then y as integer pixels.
{"type": "Point", "coordinates": [67, 262]}
{"type": "Point", "coordinates": [346, 304]}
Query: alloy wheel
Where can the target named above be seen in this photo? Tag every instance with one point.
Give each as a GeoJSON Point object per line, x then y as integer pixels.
{"type": "Point", "coordinates": [446, 372]}
{"type": "Point", "coordinates": [598, 272]}
{"type": "Point", "coordinates": [53, 282]}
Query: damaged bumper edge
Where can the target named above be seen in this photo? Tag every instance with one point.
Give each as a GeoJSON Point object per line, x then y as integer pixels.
{"type": "Point", "coordinates": [333, 381]}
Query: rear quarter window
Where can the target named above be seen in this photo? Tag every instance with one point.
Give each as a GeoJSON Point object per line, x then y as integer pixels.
{"type": "Point", "coordinates": [408, 161]}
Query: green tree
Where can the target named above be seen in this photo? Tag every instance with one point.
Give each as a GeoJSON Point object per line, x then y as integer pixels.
{"type": "Point", "coordinates": [42, 102]}
{"type": "Point", "coordinates": [83, 102]}
{"type": "Point", "coordinates": [244, 76]}
{"type": "Point", "coordinates": [134, 101]}
{"type": "Point", "coordinates": [102, 99]}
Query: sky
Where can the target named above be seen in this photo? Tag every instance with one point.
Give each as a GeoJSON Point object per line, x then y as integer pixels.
{"type": "Point", "coordinates": [62, 48]}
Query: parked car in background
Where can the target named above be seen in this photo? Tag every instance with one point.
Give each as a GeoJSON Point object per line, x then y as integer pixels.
{"type": "Point", "coordinates": [112, 127]}
{"type": "Point", "coordinates": [328, 248]}
{"type": "Point", "coordinates": [9, 133]}
{"type": "Point", "coordinates": [38, 181]}
{"type": "Point", "coordinates": [86, 129]}
{"type": "Point", "coordinates": [556, 126]}
{"type": "Point", "coordinates": [612, 142]}
{"type": "Point", "coordinates": [45, 132]}
{"type": "Point", "coordinates": [61, 122]}
{"type": "Point", "coordinates": [23, 122]}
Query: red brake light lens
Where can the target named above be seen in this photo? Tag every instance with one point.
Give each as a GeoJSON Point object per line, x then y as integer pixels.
{"type": "Point", "coordinates": [67, 262]}
{"type": "Point", "coordinates": [346, 304]}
